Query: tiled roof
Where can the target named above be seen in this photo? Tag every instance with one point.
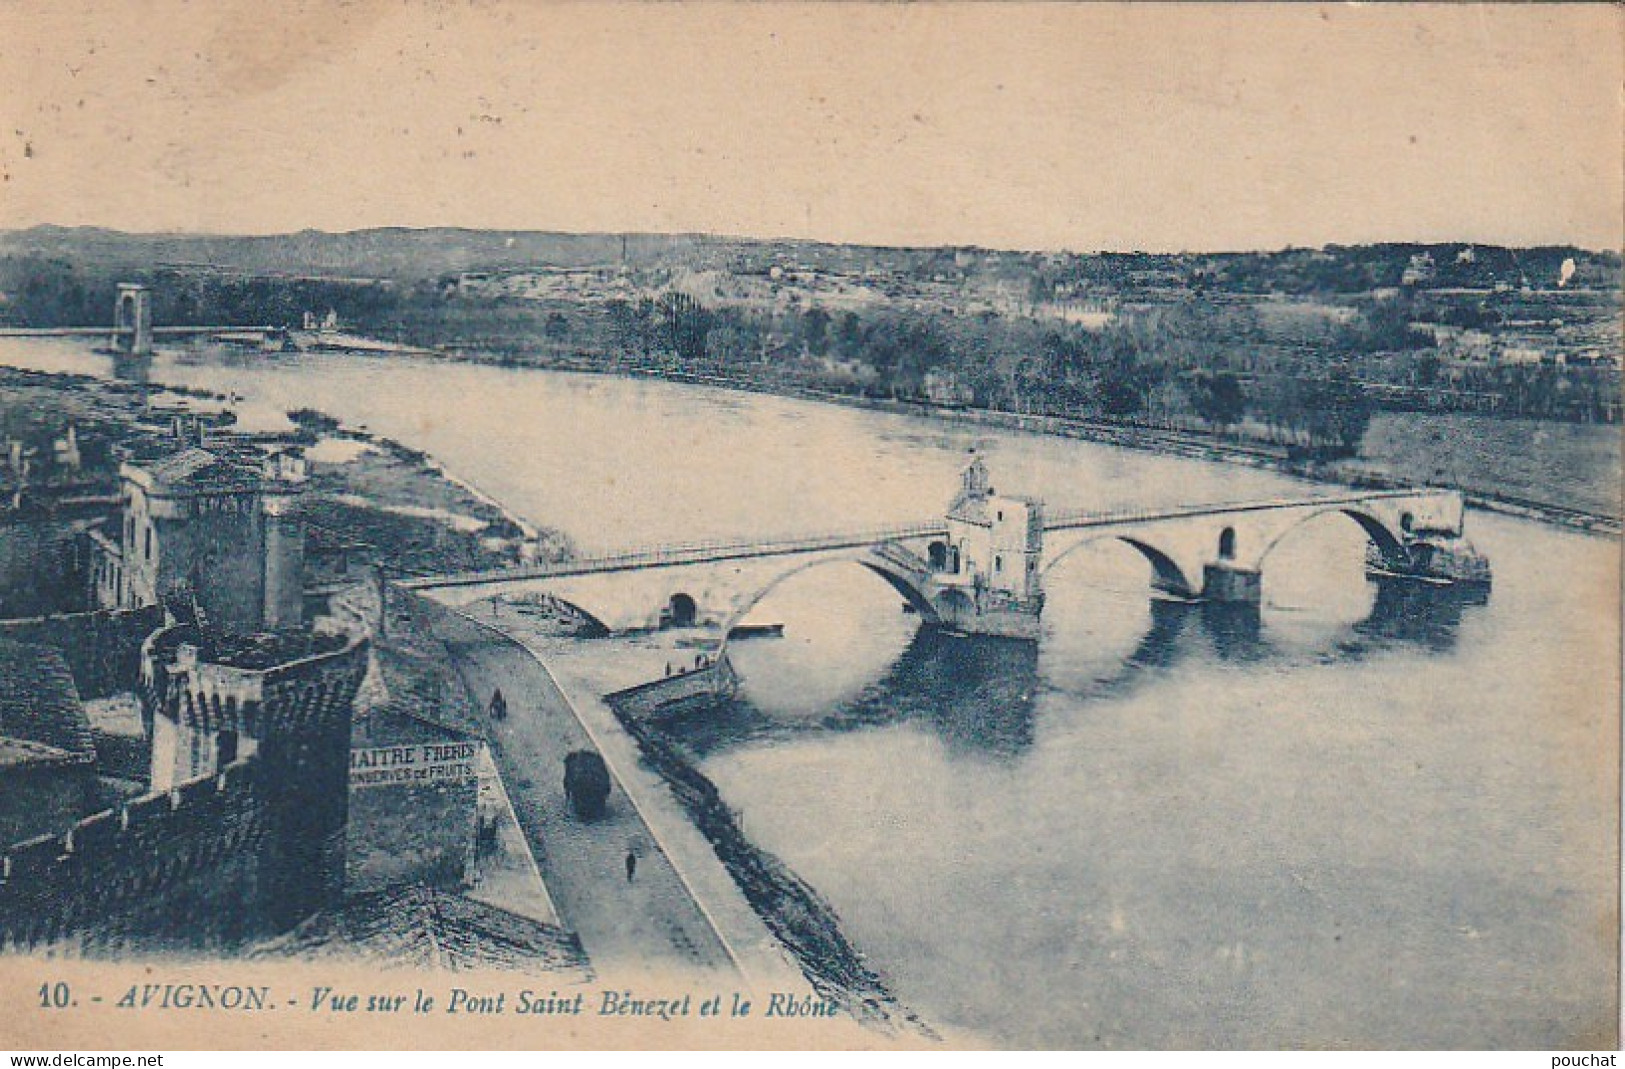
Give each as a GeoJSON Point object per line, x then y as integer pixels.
{"type": "Point", "coordinates": [969, 509]}
{"type": "Point", "coordinates": [18, 752]}
{"type": "Point", "coordinates": [40, 711]}
{"type": "Point", "coordinates": [401, 722]}
{"type": "Point", "coordinates": [196, 467]}
{"type": "Point", "coordinates": [182, 465]}
{"type": "Point", "coordinates": [419, 927]}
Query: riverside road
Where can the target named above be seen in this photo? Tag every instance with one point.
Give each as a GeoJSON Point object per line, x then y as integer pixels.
{"type": "Point", "coordinates": [649, 922]}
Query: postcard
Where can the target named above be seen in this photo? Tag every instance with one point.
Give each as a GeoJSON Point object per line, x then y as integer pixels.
{"type": "Point", "coordinates": [706, 525]}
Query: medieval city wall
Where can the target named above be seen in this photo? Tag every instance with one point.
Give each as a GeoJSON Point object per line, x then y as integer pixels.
{"type": "Point", "coordinates": [219, 859]}
{"type": "Point", "coordinates": [299, 714]}
{"type": "Point", "coordinates": [177, 869]}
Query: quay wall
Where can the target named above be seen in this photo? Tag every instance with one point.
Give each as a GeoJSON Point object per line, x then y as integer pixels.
{"type": "Point", "coordinates": [801, 919]}
{"type": "Point", "coordinates": [695, 688]}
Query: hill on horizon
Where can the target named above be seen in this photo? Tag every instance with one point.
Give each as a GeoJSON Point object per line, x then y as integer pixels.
{"type": "Point", "coordinates": [408, 253]}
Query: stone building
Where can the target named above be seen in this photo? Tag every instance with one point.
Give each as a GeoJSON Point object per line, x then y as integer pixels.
{"type": "Point", "coordinates": [240, 832]}
{"type": "Point", "coordinates": [414, 801]}
{"type": "Point", "coordinates": [284, 702]}
{"type": "Point", "coordinates": [222, 526]}
{"type": "Point", "coordinates": [994, 543]}
{"type": "Point", "coordinates": [239, 828]}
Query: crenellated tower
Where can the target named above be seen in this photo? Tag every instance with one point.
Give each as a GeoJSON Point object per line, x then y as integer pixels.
{"type": "Point", "coordinates": [282, 701]}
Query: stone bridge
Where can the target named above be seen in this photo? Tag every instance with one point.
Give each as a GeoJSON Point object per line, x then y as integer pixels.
{"type": "Point", "coordinates": [980, 570]}
{"type": "Point", "coordinates": [712, 584]}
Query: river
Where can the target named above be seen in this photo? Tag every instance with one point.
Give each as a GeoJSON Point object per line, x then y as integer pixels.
{"type": "Point", "coordinates": [1362, 822]}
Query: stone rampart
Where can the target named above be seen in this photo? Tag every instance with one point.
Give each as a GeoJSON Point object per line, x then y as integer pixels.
{"type": "Point", "coordinates": [174, 869]}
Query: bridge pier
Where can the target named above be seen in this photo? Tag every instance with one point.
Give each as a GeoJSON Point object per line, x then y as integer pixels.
{"type": "Point", "coordinates": [132, 320]}
{"type": "Point", "coordinates": [992, 615]}
{"type": "Point", "coordinates": [1226, 582]}
{"type": "Point", "coordinates": [1437, 558]}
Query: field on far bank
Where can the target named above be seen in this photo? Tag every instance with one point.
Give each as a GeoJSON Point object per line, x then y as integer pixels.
{"type": "Point", "coordinates": [1567, 465]}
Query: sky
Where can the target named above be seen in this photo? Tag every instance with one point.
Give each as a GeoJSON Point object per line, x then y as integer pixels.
{"type": "Point", "coordinates": [1088, 127]}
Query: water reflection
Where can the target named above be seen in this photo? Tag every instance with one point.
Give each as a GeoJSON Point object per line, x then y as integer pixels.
{"type": "Point", "coordinates": [977, 695]}
{"type": "Point", "coordinates": [1408, 612]}
{"type": "Point", "coordinates": [127, 367]}
{"type": "Point", "coordinates": [1235, 631]}
{"type": "Point", "coordinates": [1402, 613]}
{"type": "Point", "coordinates": [1161, 646]}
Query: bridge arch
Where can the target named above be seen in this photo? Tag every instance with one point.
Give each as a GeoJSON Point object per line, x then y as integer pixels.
{"type": "Point", "coordinates": [682, 610]}
{"type": "Point", "coordinates": [593, 620]}
{"type": "Point", "coordinates": [1167, 574]}
{"type": "Point", "coordinates": [895, 577]}
{"type": "Point", "coordinates": [1385, 538]}
{"type": "Point", "coordinates": [596, 621]}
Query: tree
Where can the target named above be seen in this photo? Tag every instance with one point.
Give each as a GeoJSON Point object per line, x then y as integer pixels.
{"type": "Point", "coordinates": [849, 337]}
{"type": "Point", "coordinates": [1384, 327]}
{"type": "Point", "coordinates": [1124, 384]}
{"type": "Point", "coordinates": [815, 330]}
{"type": "Point", "coordinates": [685, 323]}
{"type": "Point", "coordinates": [630, 324]}
{"type": "Point", "coordinates": [1219, 399]}
{"type": "Point", "coordinates": [1348, 413]}
{"type": "Point", "coordinates": [1169, 402]}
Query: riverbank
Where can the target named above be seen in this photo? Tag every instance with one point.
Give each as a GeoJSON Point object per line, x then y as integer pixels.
{"type": "Point", "coordinates": [402, 508]}
{"type": "Point", "coordinates": [369, 499]}
{"type": "Point", "coordinates": [1493, 465]}
{"type": "Point", "coordinates": [801, 919]}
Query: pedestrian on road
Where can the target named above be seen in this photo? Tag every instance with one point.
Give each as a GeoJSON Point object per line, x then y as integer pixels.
{"type": "Point", "coordinates": [499, 705]}
{"type": "Point", "coordinates": [631, 865]}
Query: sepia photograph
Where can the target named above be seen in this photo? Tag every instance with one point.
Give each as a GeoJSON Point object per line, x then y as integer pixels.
{"type": "Point", "coordinates": [810, 526]}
